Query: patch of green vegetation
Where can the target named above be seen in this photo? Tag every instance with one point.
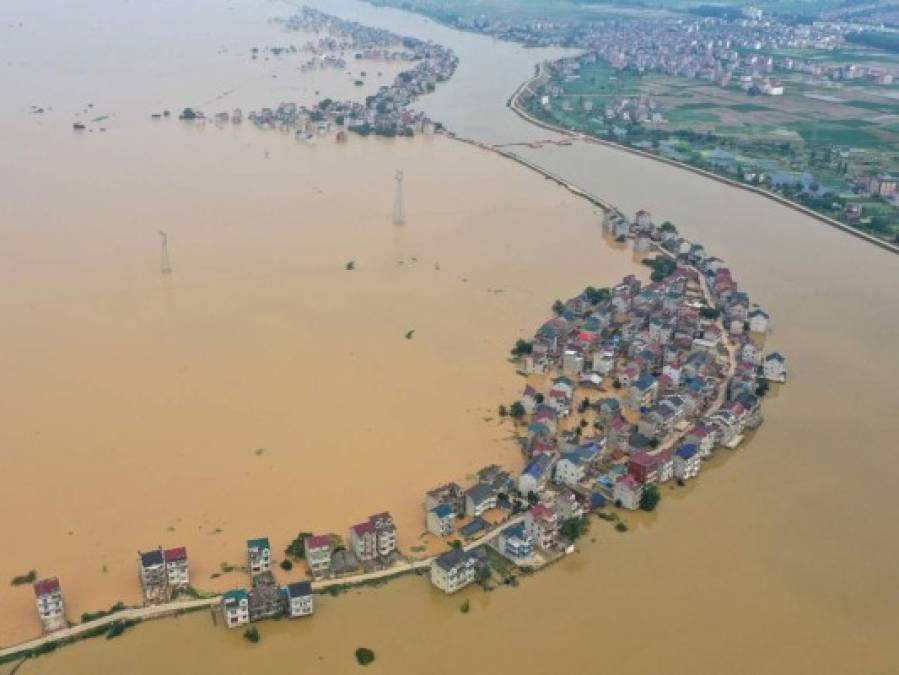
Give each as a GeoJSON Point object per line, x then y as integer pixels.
{"type": "Point", "coordinates": [620, 527]}
{"type": "Point", "coordinates": [876, 39]}
{"type": "Point", "coordinates": [662, 266]}
{"type": "Point", "coordinates": [522, 348]}
{"type": "Point", "coordinates": [834, 133]}
{"type": "Point", "coordinates": [874, 105]}
{"type": "Point", "coordinates": [296, 549]}
{"type": "Point", "coordinates": [697, 106]}
{"type": "Point", "coordinates": [93, 616]}
{"type": "Point", "coordinates": [684, 115]}
{"type": "Point", "coordinates": [251, 634]}
{"type": "Point", "coordinates": [364, 656]}
{"type": "Point", "coordinates": [650, 498]}
{"type": "Point", "coordinates": [119, 627]}
{"type": "Point", "coordinates": [465, 607]}
{"type": "Point", "coordinates": [574, 528]}
{"type": "Point", "coordinates": [28, 578]}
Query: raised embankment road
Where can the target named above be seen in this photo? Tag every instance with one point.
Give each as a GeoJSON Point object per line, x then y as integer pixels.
{"type": "Point", "coordinates": [514, 103]}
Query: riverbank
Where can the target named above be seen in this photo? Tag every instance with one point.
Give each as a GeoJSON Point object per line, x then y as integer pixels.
{"type": "Point", "coordinates": [514, 103]}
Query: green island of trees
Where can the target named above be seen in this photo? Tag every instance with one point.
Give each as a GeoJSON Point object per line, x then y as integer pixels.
{"type": "Point", "coordinates": [364, 656]}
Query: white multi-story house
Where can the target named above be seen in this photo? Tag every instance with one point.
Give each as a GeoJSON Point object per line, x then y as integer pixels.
{"type": "Point", "coordinates": [758, 321]}
{"type": "Point", "coordinates": [236, 608]}
{"type": "Point", "coordinates": [441, 520]}
{"type": "Point", "coordinates": [775, 367]}
{"type": "Point", "coordinates": [535, 474]}
{"type": "Point", "coordinates": [542, 523]}
{"type": "Point", "coordinates": [479, 499]}
{"type": "Point", "coordinates": [643, 392]}
{"type": "Point", "coordinates": [454, 570]}
{"type": "Point", "coordinates": [153, 577]}
{"type": "Point", "coordinates": [628, 492]}
{"type": "Point", "coordinates": [572, 467]}
{"type": "Point", "coordinates": [318, 555]}
{"type": "Point", "coordinates": [363, 540]}
{"type": "Point", "coordinates": [385, 533]}
{"type": "Point", "coordinates": [686, 462]}
{"type": "Point", "coordinates": [300, 601]}
{"type": "Point", "coordinates": [176, 567]}
{"type": "Point", "coordinates": [50, 606]}
{"type": "Point", "coordinates": [259, 555]}
{"type": "Point", "coordinates": [514, 542]}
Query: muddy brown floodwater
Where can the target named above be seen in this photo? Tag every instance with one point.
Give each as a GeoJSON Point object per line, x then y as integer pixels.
{"type": "Point", "coordinates": [134, 404]}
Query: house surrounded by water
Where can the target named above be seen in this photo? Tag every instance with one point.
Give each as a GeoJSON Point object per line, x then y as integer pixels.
{"type": "Point", "coordinates": [50, 605]}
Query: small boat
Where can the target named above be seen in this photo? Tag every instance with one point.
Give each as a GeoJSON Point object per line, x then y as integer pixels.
{"type": "Point", "coordinates": [78, 126]}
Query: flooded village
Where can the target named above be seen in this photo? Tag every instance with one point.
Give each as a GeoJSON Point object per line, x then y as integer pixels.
{"type": "Point", "coordinates": [385, 113]}
{"type": "Point", "coordinates": [628, 388]}
{"type": "Point", "coordinates": [262, 394]}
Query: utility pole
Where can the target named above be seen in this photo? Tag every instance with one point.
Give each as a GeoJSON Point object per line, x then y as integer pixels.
{"type": "Point", "coordinates": [399, 209]}
{"type": "Point", "coordinates": [164, 240]}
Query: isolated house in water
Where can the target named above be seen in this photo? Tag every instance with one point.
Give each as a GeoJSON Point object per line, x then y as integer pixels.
{"type": "Point", "coordinates": [50, 606]}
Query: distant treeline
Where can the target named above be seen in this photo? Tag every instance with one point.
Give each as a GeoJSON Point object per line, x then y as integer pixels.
{"type": "Point", "coordinates": [887, 41]}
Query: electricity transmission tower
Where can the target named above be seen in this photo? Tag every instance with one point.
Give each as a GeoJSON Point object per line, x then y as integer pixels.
{"type": "Point", "coordinates": [399, 209]}
{"type": "Point", "coordinates": [164, 240]}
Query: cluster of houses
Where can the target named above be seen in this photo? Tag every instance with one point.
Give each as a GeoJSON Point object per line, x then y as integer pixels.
{"type": "Point", "coordinates": [265, 599]}
{"type": "Point", "coordinates": [643, 382]}
{"type": "Point", "coordinates": [163, 573]}
{"type": "Point", "coordinates": [628, 387]}
{"type": "Point", "coordinates": [640, 109]}
{"type": "Point", "coordinates": [385, 113]}
{"type": "Point", "coordinates": [881, 185]}
{"type": "Point", "coordinates": [532, 511]}
{"type": "Point", "coordinates": [371, 544]}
